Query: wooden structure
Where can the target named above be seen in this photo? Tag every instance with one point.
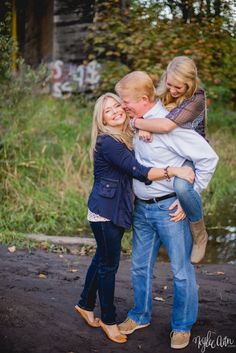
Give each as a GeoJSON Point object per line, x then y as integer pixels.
{"type": "Point", "coordinates": [48, 30]}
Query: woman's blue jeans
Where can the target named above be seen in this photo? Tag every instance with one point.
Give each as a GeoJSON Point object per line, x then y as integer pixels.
{"type": "Point", "coordinates": [102, 271]}
{"type": "Point", "coordinates": [189, 199]}
{"type": "Point", "coordinates": [153, 227]}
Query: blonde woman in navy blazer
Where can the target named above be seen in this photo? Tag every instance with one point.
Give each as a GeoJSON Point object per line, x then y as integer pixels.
{"type": "Point", "coordinates": [110, 206]}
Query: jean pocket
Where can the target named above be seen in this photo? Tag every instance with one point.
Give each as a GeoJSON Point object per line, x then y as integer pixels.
{"type": "Point", "coordinates": [165, 204]}
{"type": "Point", "coordinates": [107, 187]}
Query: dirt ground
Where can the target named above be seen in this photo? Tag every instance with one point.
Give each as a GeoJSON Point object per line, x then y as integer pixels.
{"type": "Point", "coordinates": [38, 292]}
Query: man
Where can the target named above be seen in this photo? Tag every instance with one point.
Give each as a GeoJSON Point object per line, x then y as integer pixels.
{"type": "Point", "coordinates": [152, 223]}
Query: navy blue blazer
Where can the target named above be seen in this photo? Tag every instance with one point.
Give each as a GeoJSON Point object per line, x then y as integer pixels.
{"type": "Point", "coordinates": [114, 167]}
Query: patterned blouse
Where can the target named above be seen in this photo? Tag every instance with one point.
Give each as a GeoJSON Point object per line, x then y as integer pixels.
{"type": "Point", "coordinates": [191, 113]}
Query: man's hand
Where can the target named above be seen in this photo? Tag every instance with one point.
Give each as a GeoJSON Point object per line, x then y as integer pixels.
{"type": "Point", "coordinates": [179, 214]}
{"type": "Point", "coordinates": [145, 136]}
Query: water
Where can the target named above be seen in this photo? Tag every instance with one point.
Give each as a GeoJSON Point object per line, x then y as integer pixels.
{"type": "Point", "coordinates": [221, 228]}
{"type": "Point", "coordinates": [221, 247]}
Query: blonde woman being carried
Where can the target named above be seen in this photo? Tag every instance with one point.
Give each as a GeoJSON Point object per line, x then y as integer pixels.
{"type": "Point", "coordinates": [180, 93]}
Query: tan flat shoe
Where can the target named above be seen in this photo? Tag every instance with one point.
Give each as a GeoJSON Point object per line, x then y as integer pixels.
{"type": "Point", "coordinates": [118, 339]}
{"type": "Point", "coordinates": [95, 323]}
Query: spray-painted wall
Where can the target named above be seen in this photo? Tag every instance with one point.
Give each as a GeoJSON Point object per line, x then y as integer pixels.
{"type": "Point", "coordinates": [54, 32]}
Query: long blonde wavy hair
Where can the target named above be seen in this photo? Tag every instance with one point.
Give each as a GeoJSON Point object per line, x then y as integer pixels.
{"type": "Point", "coordinates": [183, 69]}
{"type": "Point", "coordinates": [99, 128]}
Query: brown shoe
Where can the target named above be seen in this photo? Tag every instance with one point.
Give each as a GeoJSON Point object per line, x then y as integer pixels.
{"type": "Point", "coordinates": [129, 326]}
{"type": "Point", "coordinates": [82, 312]}
{"type": "Point", "coordinates": [200, 238]}
{"type": "Point", "coordinates": [118, 339]}
{"type": "Point", "coordinates": [179, 339]}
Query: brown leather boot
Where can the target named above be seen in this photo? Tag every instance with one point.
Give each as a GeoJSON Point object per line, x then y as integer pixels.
{"type": "Point", "coordinates": [200, 238]}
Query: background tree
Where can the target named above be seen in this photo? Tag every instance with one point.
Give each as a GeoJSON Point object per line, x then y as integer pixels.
{"type": "Point", "coordinates": [147, 35]}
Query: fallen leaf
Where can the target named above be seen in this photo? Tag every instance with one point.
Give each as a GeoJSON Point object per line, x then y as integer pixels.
{"type": "Point", "coordinates": [159, 299]}
{"type": "Point", "coordinates": [73, 270]}
{"type": "Point", "coordinates": [41, 275]}
{"type": "Point", "coordinates": [74, 251]}
{"type": "Point", "coordinates": [82, 251]}
{"type": "Point", "coordinates": [12, 249]}
{"type": "Point", "coordinates": [218, 273]}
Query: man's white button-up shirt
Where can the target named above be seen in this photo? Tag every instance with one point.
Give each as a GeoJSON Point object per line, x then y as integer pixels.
{"type": "Point", "coordinates": [173, 149]}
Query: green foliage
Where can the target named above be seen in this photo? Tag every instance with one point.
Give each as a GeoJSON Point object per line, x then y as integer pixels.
{"type": "Point", "coordinates": [17, 239]}
{"type": "Point", "coordinates": [6, 45]}
{"type": "Point", "coordinates": [142, 37]}
{"type": "Point", "coordinates": [45, 169]}
{"type": "Point", "coordinates": [46, 174]}
{"type": "Point", "coordinates": [110, 70]}
{"type": "Point", "coordinates": [222, 131]}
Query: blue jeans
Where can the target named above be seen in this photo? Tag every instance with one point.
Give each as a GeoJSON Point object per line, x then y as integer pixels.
{"type": "Point", "coordinates": [189, 199]}
{"type": "Point", "coordinates": [153, 227]}
{"type": "Point", "coordinates": [102, 271]}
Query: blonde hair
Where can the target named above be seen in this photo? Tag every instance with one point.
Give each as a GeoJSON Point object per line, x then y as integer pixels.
{"type": "Point", "coordinates": [137, 84]}
{"type": "Point", "coordinates": [184, 70]}
{"type": "Point", "coordinates": [99, 128]}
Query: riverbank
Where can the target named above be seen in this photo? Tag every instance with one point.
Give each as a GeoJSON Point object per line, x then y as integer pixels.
{"type": "Point", "coordinates": [39, 289]}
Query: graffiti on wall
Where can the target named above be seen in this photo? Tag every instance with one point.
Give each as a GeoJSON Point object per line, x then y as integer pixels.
{"type": "Point", "coordinates": [68, 78]}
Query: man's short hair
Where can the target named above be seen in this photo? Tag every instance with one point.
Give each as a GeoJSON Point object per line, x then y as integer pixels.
{"type": "Point", "coordinates": [136, 84]}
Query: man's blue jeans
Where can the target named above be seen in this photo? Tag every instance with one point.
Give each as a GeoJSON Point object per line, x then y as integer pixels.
{"type": "Point", "coordinates": [153, 227]}
{"type": "Point", "coordinates": [102, 270]}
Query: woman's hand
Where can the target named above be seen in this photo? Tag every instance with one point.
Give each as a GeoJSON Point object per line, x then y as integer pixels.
{"type": "Point", "coordinates": [185, 173]}
{"type": "Point", "coordinates": [145, 136]}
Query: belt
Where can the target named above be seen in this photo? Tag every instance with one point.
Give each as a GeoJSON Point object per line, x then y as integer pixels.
{"type": "Point", "coordinates": [156, 199]}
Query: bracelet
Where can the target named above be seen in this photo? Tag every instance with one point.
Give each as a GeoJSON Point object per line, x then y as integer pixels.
{"type": "Point", "coordinates": [166, 174]}
{"type": "Point", "coordinates": [132, 124]}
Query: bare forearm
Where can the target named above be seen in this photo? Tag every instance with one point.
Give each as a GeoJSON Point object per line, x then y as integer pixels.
{"type": "Point", "coordinates": [158, 125]}
{"type": "Point", "coordinates": [169, 172]}
{"type": "Point", "coordinates": [156, 174]}
{"type": "Point", "coordinates": [160, 173]}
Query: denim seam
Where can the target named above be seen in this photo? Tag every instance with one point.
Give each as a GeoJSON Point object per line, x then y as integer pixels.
{"type": "Point", "coordinates": [185, 309]}
{"type": "Point", "coordinates": [148, 279]}
{"type": "Point", "coordinates": [199, 204]}
{"type": "Point", "coordinates": [89, 291]}
{"type": "Point", "coordinates": [183, 232]}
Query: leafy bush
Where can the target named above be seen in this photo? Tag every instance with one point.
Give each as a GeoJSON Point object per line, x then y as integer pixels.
{"type": "Point", "coordinates": [141, 37]}
{"type": "Point", "coordinates": [6, 45]}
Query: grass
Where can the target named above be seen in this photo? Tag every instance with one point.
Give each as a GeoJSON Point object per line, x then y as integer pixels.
{"type": "Point", "coordinates": [222, 131]}
{"type": "Point", "coordinates": [46, 174]}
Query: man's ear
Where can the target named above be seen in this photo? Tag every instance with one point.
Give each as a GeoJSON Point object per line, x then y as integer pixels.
{"type": "Point", "coordinates": [145, 99]}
